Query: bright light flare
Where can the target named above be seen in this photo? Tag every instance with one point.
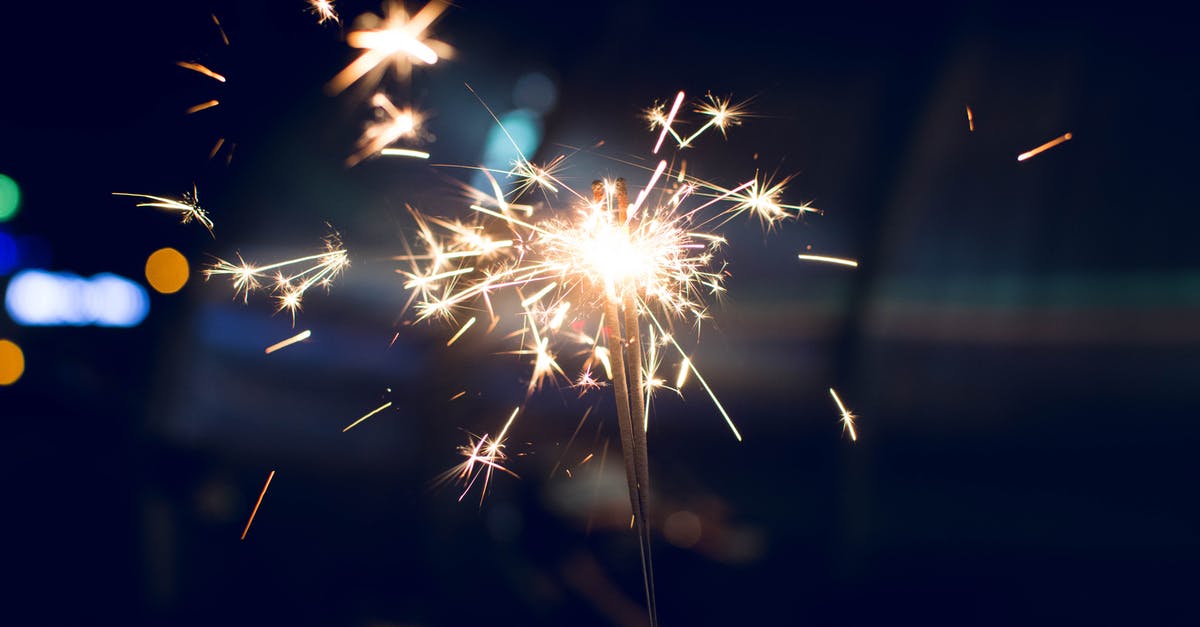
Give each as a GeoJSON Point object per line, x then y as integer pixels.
{"type": "Point", "coordinates": [396, 39]}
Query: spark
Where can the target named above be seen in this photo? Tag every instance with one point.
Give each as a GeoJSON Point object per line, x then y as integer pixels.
{"type": "Point", "coordinates": [404, 152]}
{"type": "Point", "coordinates": [847, 417]}
{"type": "Point", "coordinates": [397, 38]}
{"type": "Point", "coordinates": [685, 367]}
{"type": "Point", "coordinates": [484, 455]}
{"type": "Point", "coordinates": [287, 289]}
{"type": "Point", "coordinates": [970, 119]}
{"type": "Point", "coordinates": [461, 331]}
{"type": "Point", "coordinates": [220, 29]}
{"type": "Point", "coordinates": [254, 512]}
{"type": "Point", "coordinates": [666, 123]}
{"type": "Point", "coordinates": [1044, 147]}
{"type": "Point", "coordinates": [201, 68]}
{"type": "Point", "coordinates": [459, 395]}
{"type": "Point", "coordinates": [822, 258]}
{"type": "Point", "coordinates": [299, 337]}
{"type": "Point", "coordinates": [196, 108]}
{"type": "Point", "coordinates": [324, 11]}
{"type": "Point", "coordinates": [391, 125]}
{"type": "Point", "coordinates": [368, 415]}
{"type": "Point", "coordinates": [188, 206]}
{"type": "Point", "coordinates": [721, 115]}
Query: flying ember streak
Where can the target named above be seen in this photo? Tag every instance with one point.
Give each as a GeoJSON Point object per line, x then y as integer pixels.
{"type": "Point", "coordinates": [299, 337]}
{"type": "Point", "coordinates": [324, 11]}
{"type": "Point", "coordinates": [188, 206]}
{"type": "Point", "coordinates": [287, 289]}
{"type": "Point", "coordinates": [396, 40]}
{"type": "Point", "coordinates": [584, 260]}
{"type": "Point", "coordinates": [368, 415]}
{"type": "Point", "coordinates": [254, 512]}
{"type": "Point", "coordinates": [1044, 147]}
{"type": "Point", "coordinates": [822, 258]}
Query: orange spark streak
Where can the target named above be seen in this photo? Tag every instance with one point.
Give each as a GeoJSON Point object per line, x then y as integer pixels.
{"type": "Point", "coordinates": [1044, 147]}
{"type": "Point", "coordinates": [257, 503]}
{"type": "Point", "coordinates": [201, 68]}
{"type": "Point", "coordinates": [202, 106]}
{"type": "Point", "coordinates": [459, 395]}
{"type": "Point", "coordinates": [667, 123]}
{"type": "Point", "coordinates": [970, 119]}
{"type": "Point", "coordinates": [299, 337]}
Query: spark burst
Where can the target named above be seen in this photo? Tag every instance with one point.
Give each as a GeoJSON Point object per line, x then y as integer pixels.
{"type": "Point", "coordinates": [187, 206]}
{"type": "Point", "coordinates": [390, 125]}
{"type": "Point", "coordinates": [324, 11]}
{"type": "Point", "coordinates": [847, 417]}
{"type": "Point", "coordinates": [288, 289]}
{"type": "Point", "coordinates": [589, 276]}
{"type": "Point", "coordinates": [396, 40]}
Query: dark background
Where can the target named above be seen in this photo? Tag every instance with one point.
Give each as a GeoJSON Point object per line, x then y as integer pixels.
{"type": "Point", "coordinates": [1020, 340]}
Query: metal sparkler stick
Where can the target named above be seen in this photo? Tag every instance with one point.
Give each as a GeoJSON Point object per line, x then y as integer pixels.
{"type": "Point", "coordinates": [627, 392]}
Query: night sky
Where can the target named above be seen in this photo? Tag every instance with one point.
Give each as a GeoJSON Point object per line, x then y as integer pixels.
{"type": "Point", "coordinates": [1020, 341]}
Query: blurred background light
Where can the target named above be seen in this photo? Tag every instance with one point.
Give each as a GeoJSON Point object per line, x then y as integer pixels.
{"type": "Point", "coordinates": [535, 91]}
{"type": "Point", "coordinates": [500, 153]}
{"type": "Point", "coordinates": [12, 362]}
{"type": "Point", "coordinates": [8, 253]}
{"type": "Point", "coordinates": [10, 198]}
{"type": "Point", "coordinates": [166, 270]}
{"type": "Point", "coordinates": [41, 298]}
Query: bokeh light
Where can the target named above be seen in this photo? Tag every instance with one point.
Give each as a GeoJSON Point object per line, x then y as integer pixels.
{"type": "Point", "coordinates": [167, 270]}
{"type": "Point", "coordinates": [41, 298]}
{"type": "Point", "coordinates": [10, 198]}
{"type": "Point", "coordinates": [12, 362]}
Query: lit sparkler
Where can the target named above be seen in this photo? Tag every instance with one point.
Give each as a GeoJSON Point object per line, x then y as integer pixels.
{"type": "Point", "coordinates": [592, 276]}
{"type": "Point", "coordinates": [396, 40]}
{"type": "Point", "coordinates": [187, 206]}
{"type": "Point", "coordinates": [287, 288]}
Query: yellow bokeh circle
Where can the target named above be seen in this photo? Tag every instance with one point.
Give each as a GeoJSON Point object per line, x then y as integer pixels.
{"type": "Point", "coordinates": [167, 270]}
{"type": "Point", "coordinates": [12, 362]}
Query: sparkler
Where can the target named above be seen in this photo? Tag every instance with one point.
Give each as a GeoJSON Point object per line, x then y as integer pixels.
{"type": "Point", "coordinates": [397, 38]}
{"type": "Point", "coordinates": [188, 206]}
{"type": "Point", "coordinates": [287, 289]}
{"type": "Point", "coordinates": [606, 265]}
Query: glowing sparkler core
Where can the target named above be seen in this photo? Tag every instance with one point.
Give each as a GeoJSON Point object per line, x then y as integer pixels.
{"type": "Point", "coordinates": [324, 11]}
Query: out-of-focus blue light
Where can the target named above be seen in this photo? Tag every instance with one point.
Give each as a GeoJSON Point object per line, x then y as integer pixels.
{"type": "Point", "coordinates": [8, 253]}
{"type": "Point", "coordinates": [41, 298]}
{"type": "Point", "coordinates": [525, 128]}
